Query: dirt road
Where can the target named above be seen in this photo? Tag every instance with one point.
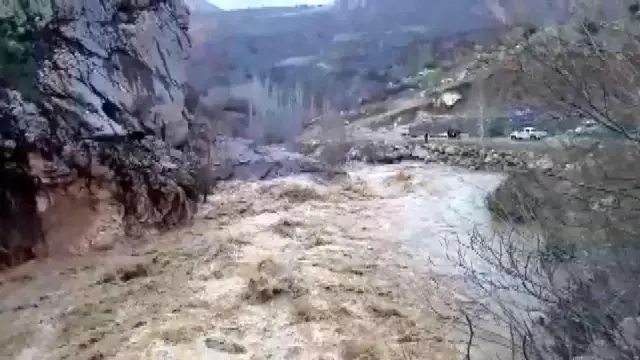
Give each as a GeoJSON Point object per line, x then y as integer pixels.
{"type": "Point", "coordinates": [287, 269]}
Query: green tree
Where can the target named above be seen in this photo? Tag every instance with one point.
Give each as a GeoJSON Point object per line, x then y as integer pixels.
{"type": "Point", "coordinates": [18, 64]}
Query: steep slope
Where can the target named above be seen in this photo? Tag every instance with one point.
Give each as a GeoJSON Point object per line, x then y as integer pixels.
{"type": "Point", "coordinates": [256, 40]}
{"type": "Point", "coordinates": [343, 43]}
{"type": "Point", "coordinates": [229, 47]}
{"type": "Point", "coordinates": [109, 73]}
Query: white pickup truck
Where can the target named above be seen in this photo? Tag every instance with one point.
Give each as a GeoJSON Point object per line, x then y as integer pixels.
{"type": "Point", "coordinates": [528, 133]}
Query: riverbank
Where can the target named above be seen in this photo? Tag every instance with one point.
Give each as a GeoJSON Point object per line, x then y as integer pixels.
{"type": "Point", "coordinates": [463, 154]}
{"type": "Point", "coordinates": [284, 269]}
{"type": "Point", "coordinates": [586, 205]}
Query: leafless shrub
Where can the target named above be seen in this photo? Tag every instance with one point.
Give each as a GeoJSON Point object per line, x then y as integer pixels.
{"type": "Point", "coordinates": [569, 291]}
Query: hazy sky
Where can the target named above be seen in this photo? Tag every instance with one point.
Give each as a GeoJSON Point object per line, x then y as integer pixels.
{"type": "Point", "coordinates": [239, 4]}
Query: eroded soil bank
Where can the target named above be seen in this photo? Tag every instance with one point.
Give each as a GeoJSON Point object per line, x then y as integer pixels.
{"type": "Point", "coordinates": [286, 269]}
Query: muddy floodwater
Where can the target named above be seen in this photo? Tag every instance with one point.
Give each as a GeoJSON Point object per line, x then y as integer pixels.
{"type": "Point", "coordinates": [293, 268]}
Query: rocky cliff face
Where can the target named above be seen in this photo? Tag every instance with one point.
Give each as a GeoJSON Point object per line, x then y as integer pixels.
{"type": "Point", "coordinates": [111, 74]}
{"type": "Point", "coordinates": [117, 66]}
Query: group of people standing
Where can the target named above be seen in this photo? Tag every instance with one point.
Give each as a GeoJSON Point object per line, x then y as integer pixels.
{"type": "Point", "coordinates": [451, 134]}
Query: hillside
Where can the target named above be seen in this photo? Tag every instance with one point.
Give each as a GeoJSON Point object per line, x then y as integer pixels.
{"type": "Point", "coordinates": [339, 53]}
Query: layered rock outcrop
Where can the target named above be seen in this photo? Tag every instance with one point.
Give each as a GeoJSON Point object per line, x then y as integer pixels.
{"type": "Point", "coordinates": [117, 66]}
{"type": "Point", "coordinates": [111, 112]}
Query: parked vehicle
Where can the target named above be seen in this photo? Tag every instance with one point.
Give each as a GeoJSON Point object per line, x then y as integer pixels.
{"type": "Point", "coordinates": [528, 133]}
{"type": "Point", "coordinates": [453, 133]}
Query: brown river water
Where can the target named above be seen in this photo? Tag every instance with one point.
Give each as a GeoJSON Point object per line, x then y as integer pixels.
{"type": "Point", "coordinates": [358, 268]}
